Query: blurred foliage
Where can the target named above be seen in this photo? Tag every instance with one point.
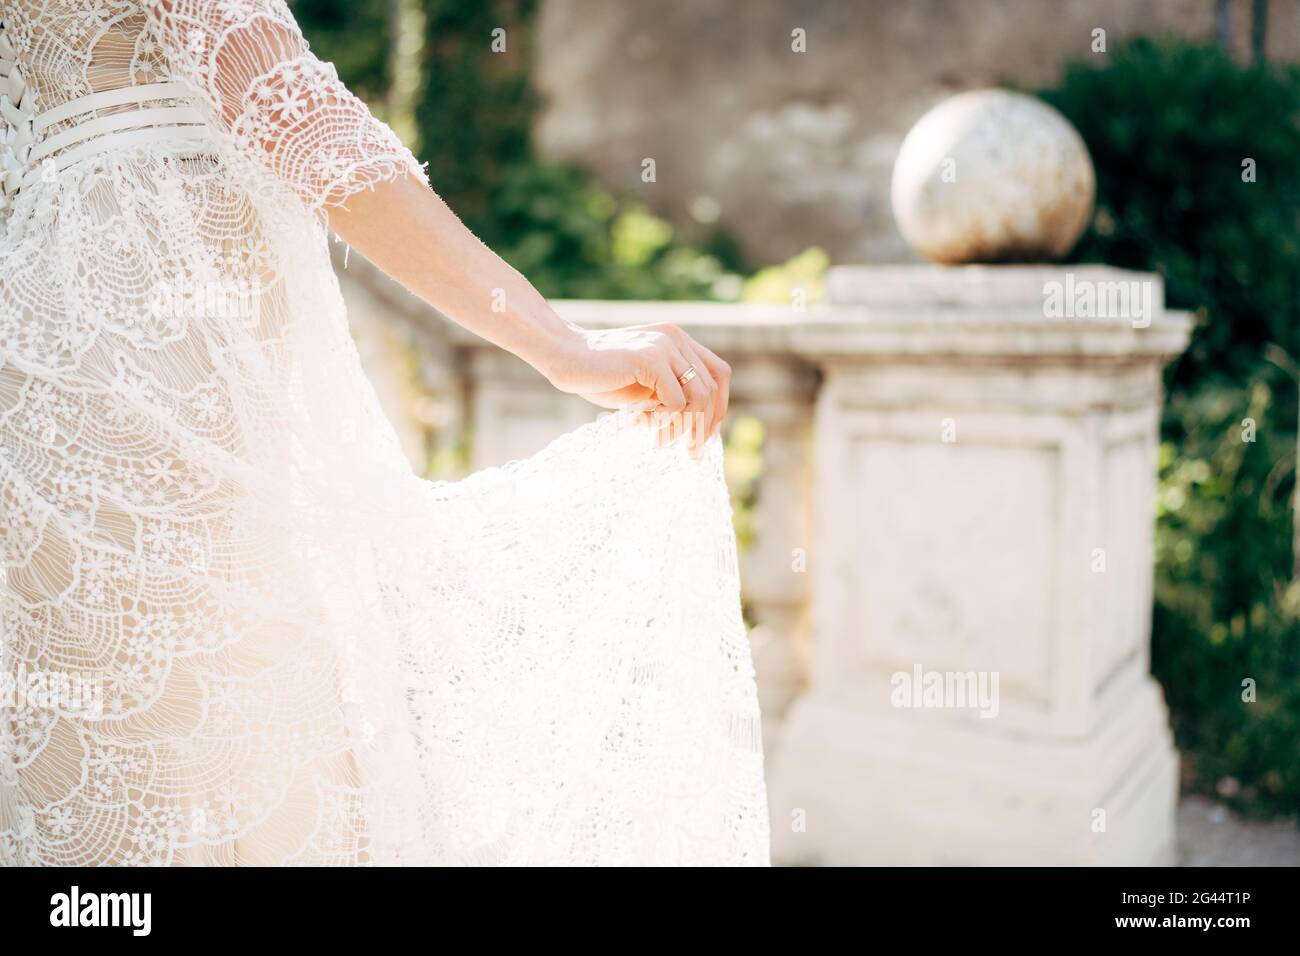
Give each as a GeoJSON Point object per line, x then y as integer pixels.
{"type": "Point", "coordinates": [806, 272]}
{"type": "Point", "coordinates": [551, 221]}
{"type": "Point", "coordinates": [476, 105]}
{"type": "Point", "coordinates": [474, 110]}
{"type": "Point", "coordinates": [743, 464]}
{"type": "Point", "coordinates": [573, 239]}
{"type": "Point", "coordinates": [1169, 126]}
{"type": "Point", "coordinates": [353, 36]}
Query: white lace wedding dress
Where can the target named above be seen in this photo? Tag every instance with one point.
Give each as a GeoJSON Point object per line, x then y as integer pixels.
{"type": "Point", "coordinates": [241, 631]}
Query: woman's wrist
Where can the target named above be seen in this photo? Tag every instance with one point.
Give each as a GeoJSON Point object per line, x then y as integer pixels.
{"type": "Point", "coordinates": [564, 356]}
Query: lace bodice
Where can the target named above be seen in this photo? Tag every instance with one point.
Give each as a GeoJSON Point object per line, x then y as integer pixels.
{"type": "Point", "coordinates": [70, 48]}
{"type": "Point", "coordinates": [272, 104]}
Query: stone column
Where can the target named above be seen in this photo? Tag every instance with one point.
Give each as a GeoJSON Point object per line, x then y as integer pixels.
{"type": "Point", "coordinates": [515, 412]}
{"type": "Point", "coordinates": [778, 391]}
{"type": "Point", "coordinates": [984, 497]}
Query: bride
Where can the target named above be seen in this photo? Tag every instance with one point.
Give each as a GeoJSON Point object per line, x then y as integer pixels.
{"type": "Point", "coordinates": [303, 653]}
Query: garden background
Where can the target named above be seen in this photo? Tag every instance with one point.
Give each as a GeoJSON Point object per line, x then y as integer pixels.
{"type": "Point", "coordinates": [525, 145]}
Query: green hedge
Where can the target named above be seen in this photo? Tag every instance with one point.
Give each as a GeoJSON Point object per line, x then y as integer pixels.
{"type": "Point", "coordinates": [474, 113]}
{"type": "Point", "coordinates": [1169, 126]}
{"type": "Point", "coordinates": [353, 35]}
{"type": "Point", "coordinates": [552, 221]}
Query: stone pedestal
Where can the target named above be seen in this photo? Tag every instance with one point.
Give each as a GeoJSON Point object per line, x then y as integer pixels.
{"type": "Point", "coordinates": [983, 497]}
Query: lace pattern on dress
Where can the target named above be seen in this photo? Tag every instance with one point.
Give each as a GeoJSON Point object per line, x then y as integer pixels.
{"type": "Point", "coordinates": [283, 109]}
{"type": "Point", "coordinates": [297, 651]}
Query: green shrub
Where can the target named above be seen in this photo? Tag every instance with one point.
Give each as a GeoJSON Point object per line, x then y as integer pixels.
{"type": "Point", "coordinates": [804, 273]}
{"type": "Point", "coordinates": [1171, 127]}
{"type": "Point", "coordinates": [574, 239]}
{"type": "Point", "coordinates": [551, 221]}
{"type": "Point", "coordinates": [354, 37]}
{"type": "Point", "coordinates": [474, 112]}
{"type": "Point", "coordinates": [476, 106]}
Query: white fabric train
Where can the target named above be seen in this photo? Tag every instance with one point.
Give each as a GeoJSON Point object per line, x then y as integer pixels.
{"type": "Point", "coordinates": [242, 630]}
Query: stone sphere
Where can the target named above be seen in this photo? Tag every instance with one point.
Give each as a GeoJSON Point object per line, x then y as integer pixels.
{"type": "Point", "coordinates": [993, 176]}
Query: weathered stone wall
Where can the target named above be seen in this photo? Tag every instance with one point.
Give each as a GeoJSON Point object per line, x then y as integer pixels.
{"type": "Point", "coordinates": [788, 150]}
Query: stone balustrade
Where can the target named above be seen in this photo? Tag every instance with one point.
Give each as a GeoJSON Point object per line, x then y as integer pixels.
{"type": "Point", "coordinates": [950, 579]}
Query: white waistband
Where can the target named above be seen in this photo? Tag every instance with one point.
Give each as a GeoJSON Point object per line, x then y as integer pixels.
{"type": "Point", "coordinates": [144, 93]}
{"type": "Point", "coordinates": [130, 128]}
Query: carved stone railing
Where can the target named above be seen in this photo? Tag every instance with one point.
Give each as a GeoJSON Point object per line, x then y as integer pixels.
{"type": "Point", "coordinates": [957, 487]}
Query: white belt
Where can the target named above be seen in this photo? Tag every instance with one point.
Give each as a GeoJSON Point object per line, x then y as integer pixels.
{"type": "Point", "coordinates": [115, 131]}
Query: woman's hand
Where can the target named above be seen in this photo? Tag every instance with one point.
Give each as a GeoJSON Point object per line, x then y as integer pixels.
{"type": "Point", "coordinates": [618, 367]}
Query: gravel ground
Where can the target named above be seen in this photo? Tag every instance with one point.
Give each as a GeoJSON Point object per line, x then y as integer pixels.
{"type": "Point", "coordinates": [1209, 835]}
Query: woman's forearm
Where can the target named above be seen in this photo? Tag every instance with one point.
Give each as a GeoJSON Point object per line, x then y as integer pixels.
{"type": "Point", "coordinates": [405, 229]}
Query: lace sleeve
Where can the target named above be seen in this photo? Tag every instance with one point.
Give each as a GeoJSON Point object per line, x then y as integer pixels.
{"type": "Point", "coordinates": [273, 102]}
